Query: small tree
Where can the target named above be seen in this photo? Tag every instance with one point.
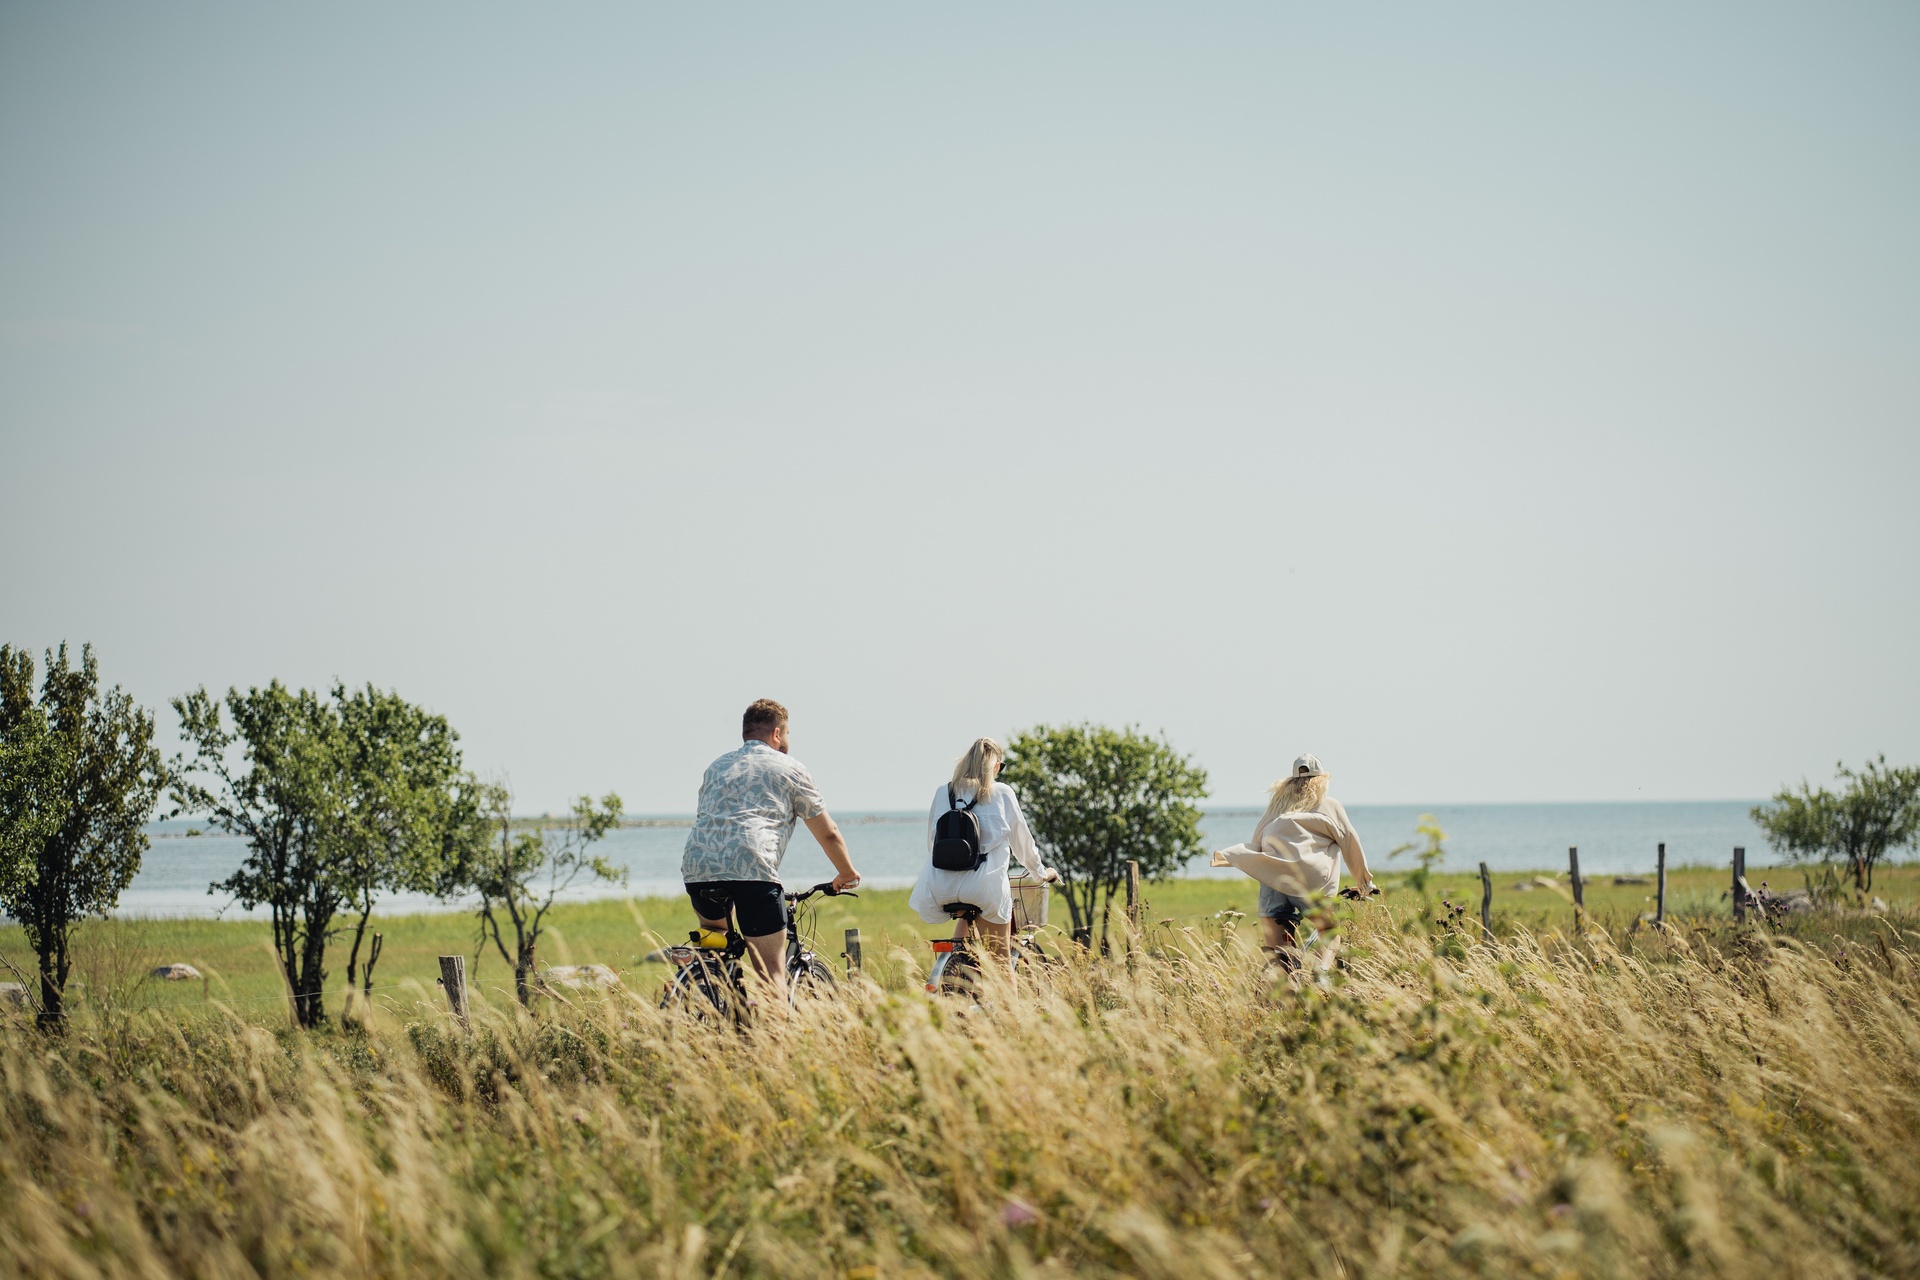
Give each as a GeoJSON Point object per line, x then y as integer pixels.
{"type": "Point", "coordinates": [277, 796]}
{"type": "Point", "coordinates": [1878, 810]}
{"type": "Point", "coordinates": [502, 869]}
{"type": "Point", "coordinates": [79, 779]}
{"type": "Point", "coordinates": [404, 805]}
{"type": "Point", "coordinates": [338, 801]}
{"type": "Point", "coordinates": [1098, 797]}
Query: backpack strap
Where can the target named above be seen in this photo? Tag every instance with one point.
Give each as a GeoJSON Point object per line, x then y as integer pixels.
{"type": "Point", "coordinates": [953, 801]}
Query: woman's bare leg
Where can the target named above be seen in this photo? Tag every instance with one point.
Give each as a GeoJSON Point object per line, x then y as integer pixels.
{"type": "Point", "coordinates": [1277, 939]}
{"type": "Point", "coordinates": [997, 938]}
{"type": "Point", "coordinates": [1276, 933]}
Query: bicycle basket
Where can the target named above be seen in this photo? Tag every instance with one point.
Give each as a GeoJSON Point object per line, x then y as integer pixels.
{"type": "Point", "coordinates": [1030, 898]}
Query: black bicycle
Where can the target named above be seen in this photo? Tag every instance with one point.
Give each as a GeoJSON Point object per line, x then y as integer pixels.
{"type": "Point", "coordinates": [711, 985]}
{"type": "Point", "coordinates": [956, 965]}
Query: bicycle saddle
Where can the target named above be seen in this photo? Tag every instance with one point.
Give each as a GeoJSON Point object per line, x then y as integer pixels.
{"type": "Point", "coordinates": [960, 909]}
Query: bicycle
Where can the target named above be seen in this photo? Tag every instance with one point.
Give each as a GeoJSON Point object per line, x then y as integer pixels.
{"type": "Point", "coordinates": [956, 966]}
{"type": "Point", "coordinates": [711, 984]}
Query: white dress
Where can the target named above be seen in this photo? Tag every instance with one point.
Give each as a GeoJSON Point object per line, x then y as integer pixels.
{"type": "Point", "coordinates": [1003, 836]}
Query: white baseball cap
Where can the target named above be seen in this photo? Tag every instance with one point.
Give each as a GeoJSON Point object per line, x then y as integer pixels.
{"type": "Point", "coordinates": [1307, 767]}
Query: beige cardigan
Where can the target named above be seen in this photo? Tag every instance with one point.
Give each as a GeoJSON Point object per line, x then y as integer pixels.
{"type": "Point", "coordinates": [1293, 852]}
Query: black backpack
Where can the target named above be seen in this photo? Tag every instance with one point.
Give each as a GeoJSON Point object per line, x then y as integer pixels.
{"type": "Point", "coordinates": [956, 837]}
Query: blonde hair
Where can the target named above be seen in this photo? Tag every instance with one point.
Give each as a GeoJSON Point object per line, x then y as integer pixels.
{"type": "Point", "coordinates": [974, 774]}
{"type": "Point", "coordinates": [1295, 795]}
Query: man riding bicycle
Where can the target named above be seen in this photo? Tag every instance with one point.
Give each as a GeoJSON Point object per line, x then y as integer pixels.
{"type": "Point", "coordinates": [750, 799]}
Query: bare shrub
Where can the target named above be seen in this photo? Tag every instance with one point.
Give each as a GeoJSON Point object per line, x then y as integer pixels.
{"type": "Point", "coordinates": [114, 964]}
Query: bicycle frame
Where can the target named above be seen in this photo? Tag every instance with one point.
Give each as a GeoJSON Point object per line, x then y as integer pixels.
{"type": "Point", "coordinates": [949, 952]}
{"type": "Point", "coordinates": [799, 957]}
{"type": "Point", "coordinates": [720, 977]}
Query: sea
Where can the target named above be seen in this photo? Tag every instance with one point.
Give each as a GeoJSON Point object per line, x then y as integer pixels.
{"type": "Point", "coordinates": [889, 847]}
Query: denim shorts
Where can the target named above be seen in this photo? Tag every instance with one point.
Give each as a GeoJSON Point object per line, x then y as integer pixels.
{"type": "Point", "coordinates": [1284, 907]}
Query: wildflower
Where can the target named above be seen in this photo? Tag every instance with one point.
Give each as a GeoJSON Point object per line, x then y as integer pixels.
{"type": "Point", "coordinates": [1018, 1213]}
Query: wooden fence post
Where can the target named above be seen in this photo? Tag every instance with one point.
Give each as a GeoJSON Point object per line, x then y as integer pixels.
{"type": "Point", "coordinates": [1660, 893]}
{"type": "Point", "coordinates": [1739, 885]}
{"type": "Point", "coordinates": [1579, 895]}
{"type": "Point", "coordinates": [1133, 894]}
{"type": "Point", "coordinates": [1486, 900]}
{"type": "Point", "coordinates": [852, 953]}
{"type": "Point", "coordinates": [453, 976]}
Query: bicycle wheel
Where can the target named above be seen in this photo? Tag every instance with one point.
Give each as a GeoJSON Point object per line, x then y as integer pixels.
{"type": "Point", "coordinates": [1031, 959]}
{"type": "Point", "coordinates": [962, 977]}
{"type": "Point", "coordinates": [811, 979]}
{"type": "Point", "coordinates": [702, 992]}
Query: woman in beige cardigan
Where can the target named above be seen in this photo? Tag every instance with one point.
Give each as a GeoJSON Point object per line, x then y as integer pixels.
{"type": "Point", "coordinates": [1292, 852]}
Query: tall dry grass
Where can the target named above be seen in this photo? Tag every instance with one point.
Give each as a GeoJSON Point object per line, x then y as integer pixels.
{"type": "Point", "coordinates": [1655, 1105]}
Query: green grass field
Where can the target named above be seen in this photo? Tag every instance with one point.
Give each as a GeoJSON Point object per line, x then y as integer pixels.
{"type": "Point", "coordinates": [1417, 1100]}
{"type": "Point", "coordinates": [237, 956]}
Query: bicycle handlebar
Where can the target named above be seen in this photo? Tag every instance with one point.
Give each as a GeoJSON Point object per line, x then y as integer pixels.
{"type": "Point", "coordinates": [826, 887]}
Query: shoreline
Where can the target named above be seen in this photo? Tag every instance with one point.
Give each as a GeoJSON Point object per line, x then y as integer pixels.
{"type": "Point", "coordinates": [1507, 882]}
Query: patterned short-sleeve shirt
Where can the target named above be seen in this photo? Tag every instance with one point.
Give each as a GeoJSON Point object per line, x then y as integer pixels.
{"type": "Point", "coordinates": [749, 801]}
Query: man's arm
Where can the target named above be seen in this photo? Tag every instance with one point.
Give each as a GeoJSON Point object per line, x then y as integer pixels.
{"type": "Point", "coordinates": [834, 845]}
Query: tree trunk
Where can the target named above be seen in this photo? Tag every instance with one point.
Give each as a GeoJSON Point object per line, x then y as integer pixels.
{"type": "Point", "coordinates": [353, 958]}
{"type": "Point", "coordinates": [285, 939]}
{"type": "Point", "coordinates": [523, 969]}
{"type": "Point", "coordinates": [373, 958]}
{"type": "Point", "coordinates": [309, 996]}
{"type": "Point", "coordinates": [48, 935]}
{"type": "Point", "coordinates": [1104, 914]}
{"type": "Point", "coordinates": [53, 982]}
{"type": "Point", "coordinates": [1080, 898]}
{"type": "Point", "coordinates": [1073, 906]}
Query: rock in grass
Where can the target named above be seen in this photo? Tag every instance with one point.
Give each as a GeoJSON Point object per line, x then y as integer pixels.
{"type": "Point", "coordinates": [579, 975]}
{"type": "Point", "coordinates": [12, 994]}
{"type": "Point", "coordinates": [177, 973]}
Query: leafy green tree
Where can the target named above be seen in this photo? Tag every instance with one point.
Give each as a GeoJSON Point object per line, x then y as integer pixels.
{"type": "Point", "coordinates": [1098, 797]}
{"type": "Point", "coordinates": [34, 763]}
{"type": "Point", "coordinates": [503, 870]}
{"type": "Point", "coordinates": [267, 780]}
{"type": "Point", "coordinates": [1876, 811]}
{"type": "Point", "coordinates": [404, 805]}
{"type": "Point", "coordinates": [338, 799]}
{"type": "Point", "coordinates": [79, 779]}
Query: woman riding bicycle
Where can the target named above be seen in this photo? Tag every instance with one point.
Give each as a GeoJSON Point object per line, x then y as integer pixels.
{"type": "Point", "coordinates": [1293, 854]}
{"type": "Point", "coordinates": [1002, 835]}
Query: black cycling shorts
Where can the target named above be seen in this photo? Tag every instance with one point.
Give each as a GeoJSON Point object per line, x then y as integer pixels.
{"type": "Point", "coordinates": [756, 904]}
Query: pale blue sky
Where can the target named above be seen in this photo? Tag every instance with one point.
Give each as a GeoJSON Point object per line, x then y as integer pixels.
{"type": "Point", "coordinates": [1505, 402]}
